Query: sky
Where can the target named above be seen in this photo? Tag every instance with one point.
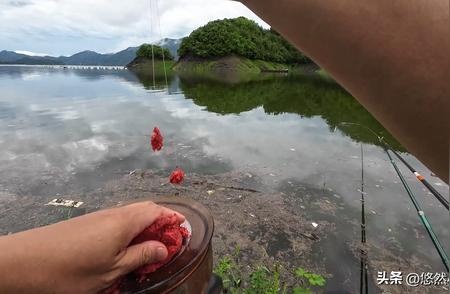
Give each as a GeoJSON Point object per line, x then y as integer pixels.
{"type": "Point", "coordinates": [64, 27]}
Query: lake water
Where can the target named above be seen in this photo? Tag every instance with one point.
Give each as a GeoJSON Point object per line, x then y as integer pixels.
{"type": "Point", "coordinates": [68, 131]}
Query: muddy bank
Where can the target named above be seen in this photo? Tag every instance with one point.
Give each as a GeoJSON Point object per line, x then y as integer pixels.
{"type": "Point", "coordinates": [243, 209]}
{"type": "Point", "coordinates": [270, 226]}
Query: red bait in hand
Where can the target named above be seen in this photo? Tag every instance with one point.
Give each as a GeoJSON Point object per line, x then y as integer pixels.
{"type": "Point", "coordinates": [167, 230]}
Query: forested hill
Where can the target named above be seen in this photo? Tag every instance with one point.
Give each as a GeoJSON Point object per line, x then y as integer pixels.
{"type": "Point", "coordinates": [239, 36]}
{"type": "Point", "coordinates": [158, 52]}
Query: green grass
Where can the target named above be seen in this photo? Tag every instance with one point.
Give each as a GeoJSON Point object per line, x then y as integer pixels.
{"type": "Point", "coordinates": [263, 279]}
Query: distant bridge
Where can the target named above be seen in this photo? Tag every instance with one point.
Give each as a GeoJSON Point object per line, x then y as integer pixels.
{"type": "Point", "coordinates": [64, 66]}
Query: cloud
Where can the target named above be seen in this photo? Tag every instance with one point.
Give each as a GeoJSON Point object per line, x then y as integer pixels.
{"type": "Point", "coordinates": [68, 26]}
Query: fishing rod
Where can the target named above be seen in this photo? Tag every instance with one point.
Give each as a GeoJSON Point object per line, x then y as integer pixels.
{"type": "Point", "coordinates": [421, 214]}
{"type": "Point", "coordinates": [364, 287]}
{"type": "Point", "coordinates": [423, 180]}
{"type": "Point", "coordinates": [418, 176]}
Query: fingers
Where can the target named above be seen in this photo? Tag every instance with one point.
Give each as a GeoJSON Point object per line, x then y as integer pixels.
{"type": "Point", "coordinates": [143, 214]}
{"type": "Point", "coordinates": [141, 254]}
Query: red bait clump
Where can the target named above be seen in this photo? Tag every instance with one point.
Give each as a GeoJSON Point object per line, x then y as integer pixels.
{"type": "Point", "coordinates": [166, 230]}
{"type": "Point", "coordinates": [156, 139]}
{"type": "Point", "coordinates": [177, 176]}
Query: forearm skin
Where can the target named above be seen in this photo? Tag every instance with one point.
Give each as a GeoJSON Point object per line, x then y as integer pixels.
{"type": "Point", "coordinates": [391, 55]}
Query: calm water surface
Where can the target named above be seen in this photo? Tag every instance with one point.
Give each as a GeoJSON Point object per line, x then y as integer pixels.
{"type": "Point", "coordinates": [66, 131]}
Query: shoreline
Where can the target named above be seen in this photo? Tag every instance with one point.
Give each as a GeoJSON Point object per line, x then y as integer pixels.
{"type": "Point", "coordinates": [271, 227]}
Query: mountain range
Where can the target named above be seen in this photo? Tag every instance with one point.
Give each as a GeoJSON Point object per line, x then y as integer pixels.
{"type": "Point", "coordinates": [87, 57]}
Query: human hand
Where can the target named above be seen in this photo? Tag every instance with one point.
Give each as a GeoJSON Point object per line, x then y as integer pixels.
{"type": "Point", "coordinates": [86, 254]}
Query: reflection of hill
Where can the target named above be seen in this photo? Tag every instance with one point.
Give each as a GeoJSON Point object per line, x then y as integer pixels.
{"type": "Point", "coordinates": [145, 77]}
{"type": "Point", "coordinates": [305, 96]}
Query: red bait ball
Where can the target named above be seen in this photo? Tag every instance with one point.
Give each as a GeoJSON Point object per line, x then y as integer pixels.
{"type": "Point", "coordinates": [177, 176]}
{"type": "Point", "coordinates": [156, 139]}
{"type": "Point", "coordinates": [166, 230]}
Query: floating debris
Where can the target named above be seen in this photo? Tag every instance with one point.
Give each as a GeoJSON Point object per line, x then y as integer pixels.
{"type": "Point", "coordinates": [210, 192]}
{"type": "Point", "coordinates": [252, 215]}
{"type": "Point", "coordinates": [292, 149]}
{"type": "Point", "coordinates": [65, 203]}
{"type": "Point", "coordinates": [311, 236]}
{"type": "Point", "coordinates": [315, 225]}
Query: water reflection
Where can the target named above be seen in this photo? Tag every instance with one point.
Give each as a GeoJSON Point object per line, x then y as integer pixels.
{"type": "Point", "coordinates": [160, 81]}
{"type": "Point", "coordinates": [306, 96]}
{"type": "Point", "coordinates": [66, 131]}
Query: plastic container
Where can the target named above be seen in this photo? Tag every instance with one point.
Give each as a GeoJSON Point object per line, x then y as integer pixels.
{"type": "Point", "coordinates": [191, 270]}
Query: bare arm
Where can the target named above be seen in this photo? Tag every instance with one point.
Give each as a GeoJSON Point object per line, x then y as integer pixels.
{"type": "Point", "coordinates": [86, 254]}
{"type": "Point", "coordinates": [393, 56]}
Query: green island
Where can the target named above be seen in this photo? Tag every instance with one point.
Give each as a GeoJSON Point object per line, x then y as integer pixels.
{"type": "Point", "coordinates": [236, 47]}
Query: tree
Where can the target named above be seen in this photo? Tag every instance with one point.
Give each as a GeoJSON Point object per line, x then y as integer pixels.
{"type": "Point", "coordinates": [145, 50]}
{"type": "Point", "coordinates": [239, 36]}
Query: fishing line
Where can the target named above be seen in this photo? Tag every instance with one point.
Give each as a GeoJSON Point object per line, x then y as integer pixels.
{"type": "Point", "coordinates": [151, 44]}
{"type": "Point", "coordinates": [420, 212]}
{"type": "Point", "coordinates": [418, 176]}
{"type": "Point", "coordinates": [364, 288]}
{"type": "Point", "coordinates": [162, 49]}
